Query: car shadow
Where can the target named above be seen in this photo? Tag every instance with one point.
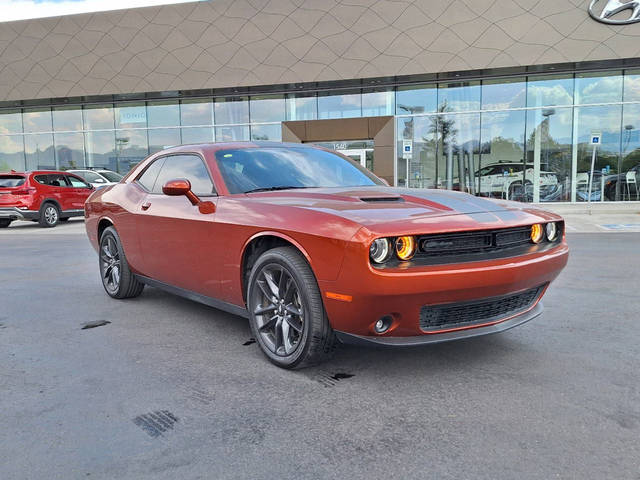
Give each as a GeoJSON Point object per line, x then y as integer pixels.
{"type": "Point", "coordinates": [25, 225]}
{"type": "Point", "coordinates": [401, 363]}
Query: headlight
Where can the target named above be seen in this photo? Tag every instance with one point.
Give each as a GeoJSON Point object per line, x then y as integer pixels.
{"type": "Point", "coordinates": [405, 247]}
{"type": "Point", "coordinates": [380, 250]}
{"type": "Point", "coordinates": [536, 233]}
{"type": "Point", "coordinates": [552, 231]}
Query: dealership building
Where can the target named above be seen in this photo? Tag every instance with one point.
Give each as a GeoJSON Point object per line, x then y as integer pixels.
{"type": "Point", "coordinates": [507, 98]}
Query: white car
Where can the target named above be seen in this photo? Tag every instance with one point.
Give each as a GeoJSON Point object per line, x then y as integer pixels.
{"type": "Point", "coordinates": [501, 179]}
{"type": "Point", "coordinates": [98, 178]}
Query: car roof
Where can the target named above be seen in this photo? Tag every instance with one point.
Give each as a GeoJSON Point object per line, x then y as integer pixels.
{"type": "Point", "coordinates": [211, 147]}
{"type": "Point", "coordinates": [46, 172]}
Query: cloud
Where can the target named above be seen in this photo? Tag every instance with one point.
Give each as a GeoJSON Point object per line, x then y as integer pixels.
{"type": "Point", "coordinates": [24, 9]}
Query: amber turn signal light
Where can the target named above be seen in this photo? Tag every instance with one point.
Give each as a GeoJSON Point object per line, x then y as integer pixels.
{"type": "Point", "coordinates": [405, 247]}
{"type": "Point", "coordinates": [537, 232]}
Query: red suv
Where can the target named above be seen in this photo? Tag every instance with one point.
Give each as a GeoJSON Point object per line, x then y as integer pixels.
{"type": "Point", "coordinates": [46, 197]}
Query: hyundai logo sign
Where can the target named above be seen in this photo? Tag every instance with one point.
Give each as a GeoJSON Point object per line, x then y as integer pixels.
{"type": "Point", "coordinates": [612, 8]}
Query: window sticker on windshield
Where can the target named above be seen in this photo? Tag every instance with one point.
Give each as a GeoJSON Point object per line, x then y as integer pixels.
{"type": "Point", "coordinates": [228, 155]}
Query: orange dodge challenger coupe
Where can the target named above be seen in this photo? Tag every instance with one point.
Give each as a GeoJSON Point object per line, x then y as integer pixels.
{"type": "Point", "coordinates": [312, 248]}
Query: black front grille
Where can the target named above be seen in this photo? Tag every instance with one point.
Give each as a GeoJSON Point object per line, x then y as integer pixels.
{"type": "Point", "coordinates": [473, 242]}
{"type": "Point", "coordinates": [456, 315]}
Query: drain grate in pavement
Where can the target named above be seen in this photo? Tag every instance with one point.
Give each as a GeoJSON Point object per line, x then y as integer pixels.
{"type": "Point", "coordinates": [249, 342]}
{"type": "Point", "coordinates": [331, 379]}
{"type": "Point", "coordinates": [156, 423]}
{"type": "Point", "coordinates": [201, 396]}
{"type": "Point", "coordinates": [94, 324]}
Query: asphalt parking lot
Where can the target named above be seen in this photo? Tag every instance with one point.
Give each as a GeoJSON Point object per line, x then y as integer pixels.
{"type": "Point", "coordinates": [173, 389]}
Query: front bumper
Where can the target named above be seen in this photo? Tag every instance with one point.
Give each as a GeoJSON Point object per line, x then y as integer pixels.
{"type": "Point", "coordinates": [401, 294]}
{"type": "Point", "coordinates": [441, 337]}
{"type": "Point", "coordinates": [14, 213]}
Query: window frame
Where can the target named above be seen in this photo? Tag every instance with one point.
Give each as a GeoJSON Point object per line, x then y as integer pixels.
{"type": "Point", "coordinates": [176, 154]}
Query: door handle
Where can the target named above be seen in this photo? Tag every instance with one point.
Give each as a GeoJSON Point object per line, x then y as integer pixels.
{"type": "Point", "coordinates": [146, 205]}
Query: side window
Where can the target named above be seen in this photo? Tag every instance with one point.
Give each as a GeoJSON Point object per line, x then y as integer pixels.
{"type": "Point", "coordinates": [56, 180]}
{"type": "Point", "coordinates": [148, 178]}
{"type": "Point", "coordinates": [41, 179]}
{"type": "Point", "coordinates": [76, 182]}
{"type": "Point", "coordinates": [190, 167]}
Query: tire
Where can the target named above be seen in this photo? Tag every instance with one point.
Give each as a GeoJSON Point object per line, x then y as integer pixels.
{"type": "Point", "coordinates": [49, 215]}
{"type": "Point", "coordinates": [117, 278]}
{"type": "Point", "coordinates": [5, 222]}
{"type": "Point", "coordinates": [298, 333]}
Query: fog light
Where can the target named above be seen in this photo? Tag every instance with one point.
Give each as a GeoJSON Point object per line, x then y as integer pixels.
{"type": "Point", "coordinates": [537, 233]}
{"type": "Point", "coordinates": [552, 231]}
{"type": "Point", "coordinates": [383, 324]}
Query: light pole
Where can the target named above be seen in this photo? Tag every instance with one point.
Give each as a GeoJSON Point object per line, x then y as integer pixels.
{"type": "Point", "coordinates": [627, 130]}
{"type": "Point", "coordinates": [546, 113]}
{"type": "Point", "coordinates": [120, 143]}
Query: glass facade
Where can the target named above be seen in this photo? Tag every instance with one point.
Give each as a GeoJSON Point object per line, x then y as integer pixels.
{"type": "Point", "coordinates": [524, 138]}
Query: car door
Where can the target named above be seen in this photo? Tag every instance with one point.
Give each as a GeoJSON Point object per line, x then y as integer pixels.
{"type": "Point", "coordinates": [177, 241]}
{"type": "Point", "coordinates": [80, 191]}
{"type": "Point", "coordinates": [59, 190]}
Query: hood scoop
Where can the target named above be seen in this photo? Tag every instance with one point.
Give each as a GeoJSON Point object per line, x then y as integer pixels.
{"type": "Point", "coordinates": [382, 199]}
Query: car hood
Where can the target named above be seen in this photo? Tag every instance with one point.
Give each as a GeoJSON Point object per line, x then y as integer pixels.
{"type": "Point", "coordinates": [389, 209]}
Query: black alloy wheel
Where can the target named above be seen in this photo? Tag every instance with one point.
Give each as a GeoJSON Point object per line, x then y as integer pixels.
{"type": "Point", "coordinates": [117, 278]}
{"type": "Point", "coordinates": [286, 312]}
{"type": "Point", "coordinates": [279, 312]}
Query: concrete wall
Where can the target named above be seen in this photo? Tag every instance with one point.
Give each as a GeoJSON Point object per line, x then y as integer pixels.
{"type": "Point", "coordinates": [226, 43]}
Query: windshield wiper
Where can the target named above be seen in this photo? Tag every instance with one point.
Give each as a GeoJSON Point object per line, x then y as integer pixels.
{"type": "Point", "coordinates": [271, 189]}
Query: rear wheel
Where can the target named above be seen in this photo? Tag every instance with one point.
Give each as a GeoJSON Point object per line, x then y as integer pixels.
{"type": "Point", "coordinates": [49, 215]}
{"type": "Point", "coordinates": [287, 316]}
{"type": "Point", "coordinates": [117, 278]}
{"type": "Point", "coordinates": [4, 222]}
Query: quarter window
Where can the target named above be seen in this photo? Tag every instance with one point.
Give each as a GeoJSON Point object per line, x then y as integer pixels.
{"type": "Point", "coordinates": [148, 178]}
{"type": "Point", "coordinates": [190, 167]}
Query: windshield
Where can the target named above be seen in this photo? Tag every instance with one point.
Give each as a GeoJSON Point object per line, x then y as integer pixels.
{"type": "Point", "coordinates": [272, 168]}
{"type": "Point", "coordinates": [11, 180]}
{"type": "Point", "coordinates": [112, 176]}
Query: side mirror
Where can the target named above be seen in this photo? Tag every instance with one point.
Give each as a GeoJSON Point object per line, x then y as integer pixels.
{"type": "Point", "coordinates": [182, 186]}
{"type": "Point", "coordinates": [100, 180]}
{"type": "Point", "coordinates": [175, 188]}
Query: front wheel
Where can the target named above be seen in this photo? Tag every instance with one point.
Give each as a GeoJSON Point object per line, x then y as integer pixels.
{"type": "Point", "coordinates": [117, 278]}
{"type": "Point", "coordinates": [287, 316]}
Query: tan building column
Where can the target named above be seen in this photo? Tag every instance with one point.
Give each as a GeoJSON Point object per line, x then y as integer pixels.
{"type": "Point", "coordinates": [379, 129]}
